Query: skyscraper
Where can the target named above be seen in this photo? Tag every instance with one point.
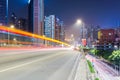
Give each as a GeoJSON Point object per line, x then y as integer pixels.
{"type": "Point", "coordinates": [36, 16]}
{"type": "Point", "coordinates": [54, 28]}
{"type": "Point", "coordinates": [3, 12]}
{"type": "Point", "coordinates": [50, 26]}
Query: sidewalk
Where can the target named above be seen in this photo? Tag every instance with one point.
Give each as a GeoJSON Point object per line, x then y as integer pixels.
{"type": "Point", "coordinates": [82, 72]}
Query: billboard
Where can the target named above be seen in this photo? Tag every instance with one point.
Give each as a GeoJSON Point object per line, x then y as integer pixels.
{"type": "Point", "coordinates": [84, 42]}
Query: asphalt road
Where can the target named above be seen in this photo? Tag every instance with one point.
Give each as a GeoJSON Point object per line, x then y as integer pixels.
{"type": "Point", "coordinates": [37, 64]}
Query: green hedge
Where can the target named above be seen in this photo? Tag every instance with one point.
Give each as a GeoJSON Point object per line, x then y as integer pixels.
{"type": "Point", "coordinates": [115, 57]}
{"type": "Point", "coordinates": [90, 67]}
{"type": "Point", "coordinates": [101, 53]}
{"type": "Point", "coordinates": [111, 56]}
{"type": "Point", "coordinates": [97, 79]}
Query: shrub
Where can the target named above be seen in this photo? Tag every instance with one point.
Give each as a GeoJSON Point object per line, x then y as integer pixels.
{"type": "Point", "coordinates": [96, 78]}
{"type": "Point", "coordinates": [96, 52]}
{"type": "Point", "coordinates": [115, 57]}
{"type": "Point", "coordinates": [106, 54]}
{"type": "Point", "coordinates": [103, 53]}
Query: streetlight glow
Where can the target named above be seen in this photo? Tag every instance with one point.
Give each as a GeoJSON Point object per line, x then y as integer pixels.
{"type": "Point", "coordinates": [79, 21]}
{"type": "Point", "coordinates": [12, 26]}
{"type": "Point", "coordinates": [14, 39]}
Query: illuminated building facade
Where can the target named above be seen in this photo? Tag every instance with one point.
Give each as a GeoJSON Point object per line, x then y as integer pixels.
{"type": "Point", "coordinates": [50, 26]}
{"type": "Point", "coordinates": [3, 12]}
{"type": "Point", "coordinates": [59, 30]}
{"type": "Point", "coordinates": [106, 36]}
{"type": "Point", "coordinates": [54, 28]}
{"type": "Point", "coordinates": [36, 16]}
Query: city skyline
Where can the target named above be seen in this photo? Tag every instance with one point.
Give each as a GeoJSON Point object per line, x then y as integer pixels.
{"type": "Point", "coordinates": [96, 12]}
{"type": "Point", "coordinates": [60, 39]}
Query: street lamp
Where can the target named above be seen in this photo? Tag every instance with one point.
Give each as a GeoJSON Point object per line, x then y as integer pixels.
{"type": "Point", "coordinates": [33, 40]}
{"type": "Point", "coordinates": [15, 41]}
{"type": "Point", "coordinates": [45, 41]}
{"type": "Point", "coordinates": [80, 23]}
{"type": "Point", "coordinates": [12, 26]}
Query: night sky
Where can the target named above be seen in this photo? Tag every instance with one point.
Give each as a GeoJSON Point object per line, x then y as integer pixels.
{"type": "Point", "coordinates": [19, 7]}
{"type": "Point", "coordinates": [105, 13]}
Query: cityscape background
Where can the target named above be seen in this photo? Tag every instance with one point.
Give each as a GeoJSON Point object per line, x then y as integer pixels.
{"type": "Point", "coordinates": [96, 12]}
{"type": "Point", "coordinates": [42, 18]}
{"type": "Point", "coordinates": [60, 39]}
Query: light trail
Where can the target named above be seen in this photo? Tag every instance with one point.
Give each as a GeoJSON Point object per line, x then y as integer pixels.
{"type": "Point", "coordinates": [24, 33]}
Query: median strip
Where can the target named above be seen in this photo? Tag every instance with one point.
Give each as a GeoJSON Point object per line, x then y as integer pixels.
{"type": "Point", "coordinates": [90, 66]}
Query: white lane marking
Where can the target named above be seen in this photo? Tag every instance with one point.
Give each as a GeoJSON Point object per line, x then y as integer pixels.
{"type": "Point", "coordinates": [72, 73]}
{"type": "Point", "coordinates": [18, 66]}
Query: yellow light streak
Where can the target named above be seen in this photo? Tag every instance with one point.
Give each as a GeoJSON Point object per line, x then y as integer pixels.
{"type": "Point", "coordinates": [17, 31]}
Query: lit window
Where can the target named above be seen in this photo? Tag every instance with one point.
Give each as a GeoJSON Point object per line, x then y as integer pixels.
{"type": "Point", "coordinates": [110, 34]}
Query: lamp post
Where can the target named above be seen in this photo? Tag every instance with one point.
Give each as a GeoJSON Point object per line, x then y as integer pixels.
{"type": "Point", "coordinates": [12, 26]}
{"type": "Point", "coordinates": [81, 23]}
{"type": "Point", "coordinates": [44, 41]}
{"type": "Point", "coordinates": [84, 51]}
{"type": "Point", "coordinates": [33, 40]}
{"type": "Point", "coordinates": [15, 41]}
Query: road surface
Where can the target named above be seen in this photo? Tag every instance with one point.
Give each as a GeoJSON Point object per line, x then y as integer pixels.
{"type": "Point", "coordinates": [37, 64]}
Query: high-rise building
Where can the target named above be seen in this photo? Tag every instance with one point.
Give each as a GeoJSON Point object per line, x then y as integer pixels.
{"type": "Point", "coordinates": [13, 19]}
{"type": "Point", "coordinates": [117, 36]}
{"type": "Point", "coordinates": [106, 36]}
{"type": "Point", "coordinates": [59, 30]}
{"type": "Point", "coordinates": [92, 34]}
{"type": "Point", "coordinates": [62, 32]}
{"type": "Point", "coordinates": [3, 12]}
{"type": "Point", "coordinates": [49, 29]}
{"type": "Point", "coordinates": [117, 30]}
{"type": "Point", "coordinates": [22, 24]}
{"type": "Point", "coordinates": [36, 16]}
{"type": "Point", "coordinates": [54, 28]}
